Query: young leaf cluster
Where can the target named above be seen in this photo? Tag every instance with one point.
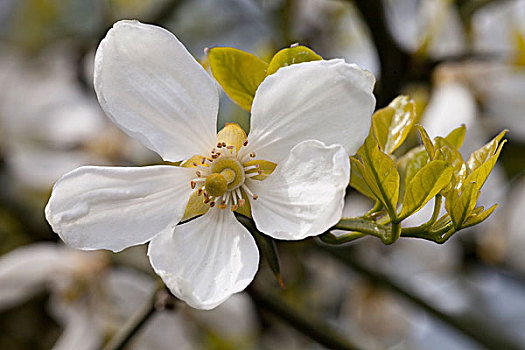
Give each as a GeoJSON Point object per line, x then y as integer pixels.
{"type": "Point", "coordinates": [402, 185]}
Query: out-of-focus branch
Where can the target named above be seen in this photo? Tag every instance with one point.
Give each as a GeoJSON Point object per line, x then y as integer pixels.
{"type": "Point", "coordinates": [306, 324]}
{"type": "Point", "coordinates": [484, 333]}
{"type": "Point", "coordinates": [160, 301]}
{"type": "Point", "coordinates": [394, 61]}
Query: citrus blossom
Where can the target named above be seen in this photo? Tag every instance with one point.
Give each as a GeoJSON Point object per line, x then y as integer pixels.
{"type": "Point", "coordinates": [289, 174]}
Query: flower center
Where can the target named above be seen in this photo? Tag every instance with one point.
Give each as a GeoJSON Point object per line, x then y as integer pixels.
{"type": "Point", "coordinates": [230, 169]}
{"type": "Point", "coordinates": [222, 176]}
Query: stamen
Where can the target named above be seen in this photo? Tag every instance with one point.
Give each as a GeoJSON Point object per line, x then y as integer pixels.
{"type": "Point", "coordinates": [198, 173]}
{"type": "Point", "coordinates": [219, 144]}
{"type": "Point", "coordinates": [199, 192]}
{"type": "Point", "coordinates": [248, 168]}
{"type": "Point", "coordinates": [234, 196]}
{"type": "Point", "coordinates": [252, 154]}
{"type": "Point", "coordinates": [206, 200]}
{"type": "Point", "coordinates": [193, 184]}
{"type": "Point", "coordinates": [222, 205]}
{"type": "Point", "coordinates": [203, 160]}
{"type": "Point", "coordinates": [212, 204]}
{"type": "Point", "coordinates": [239, 194]}
{"type": "Point", "coordinates": [245, 143]}
{"type": "Point", "coordinates": [254, 196]}
{"type": "Point", "coordinates": [216, 155]}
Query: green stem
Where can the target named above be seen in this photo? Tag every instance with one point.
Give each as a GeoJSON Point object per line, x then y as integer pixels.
{"type": "Point", "coordinates": [435, 213]}
{"type": "Point", "coordinates": [361, 225]}
{"type": "Point", "coordinates": [308, 325]}
{"type": "Point", "coordinates": [395, 233]}
{"type": "Point", "coordinates": [488, 335]}
{"type": "Point", "coordinates": [330, 238]}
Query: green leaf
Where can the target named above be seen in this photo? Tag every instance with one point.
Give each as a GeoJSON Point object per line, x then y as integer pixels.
{"type": "Point", "coordinates": [482, 155]}
{"type": "Point", "coordinates": [447, 152]}
{"type": "Point", "coordinates": [292, 55]}
{"type": "Point", "coordinates": [457, 136]}
{"type": "Point", "coordinates": [427, 142]}
{"type": "Point", "coordinates": [409, 164]}
{"type": "Point", "coordinates": [480, 217]}
{"type": "Point", "coordinates": [380, 174]}
{"type": "Point", "coordinates": [238, 72]}
{"type": "Point", "coordinates": [482, 172]}
{"type": "Point", "coordinates": [357, 180]}
{"type": "Point", "coordinates": [460, 207]}
{"type": "Point", "coordinates": [393, 123]}
{"type": "Point", "coordinates": [427, 183]}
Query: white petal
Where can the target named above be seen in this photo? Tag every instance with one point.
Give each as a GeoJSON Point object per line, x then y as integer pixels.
{"type": "Point", "coordinates": [205, 261]}
{"type": "Point", "coordinates": [330, 101]}
{"type": "Point", "coordinates": [26, 270]}
{"type": "Point", "coordinates": [114, 208]}
{"type": "Point", "coordinates": [153, 89]}
{"type": "Point", "coordinates": [304, 196]}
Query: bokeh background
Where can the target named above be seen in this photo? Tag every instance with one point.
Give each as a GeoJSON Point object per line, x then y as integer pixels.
{"type": "Point", "coordinates": [462, 61]}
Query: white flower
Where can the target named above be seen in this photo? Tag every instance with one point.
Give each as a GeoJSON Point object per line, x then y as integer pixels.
{"type": "Point", "coordinates": [155, 91]}
{"type": "Point", "coordinates": [87, 297]}
{"type": "Point", "coordinates": [432, 27]}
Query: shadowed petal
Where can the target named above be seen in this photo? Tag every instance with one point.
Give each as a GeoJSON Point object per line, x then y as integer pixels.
{"type": "Point", "coordinates": [304, 196]}
{"type": "Point", "coordinates": [205, 261]}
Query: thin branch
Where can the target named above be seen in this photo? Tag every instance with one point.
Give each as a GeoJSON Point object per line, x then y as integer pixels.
{"type": "Point", "coordinates": [394, 61]}
{"type": "Point", "coordinates": [160, 301]}
{"type": "Point", "coordinates": [486, 334]}
{"type": "Point", "coordinates": [306, 324]}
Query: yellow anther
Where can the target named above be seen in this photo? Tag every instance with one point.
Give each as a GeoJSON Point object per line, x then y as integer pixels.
{"type": "Point", "coordinates": [216, 185]}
